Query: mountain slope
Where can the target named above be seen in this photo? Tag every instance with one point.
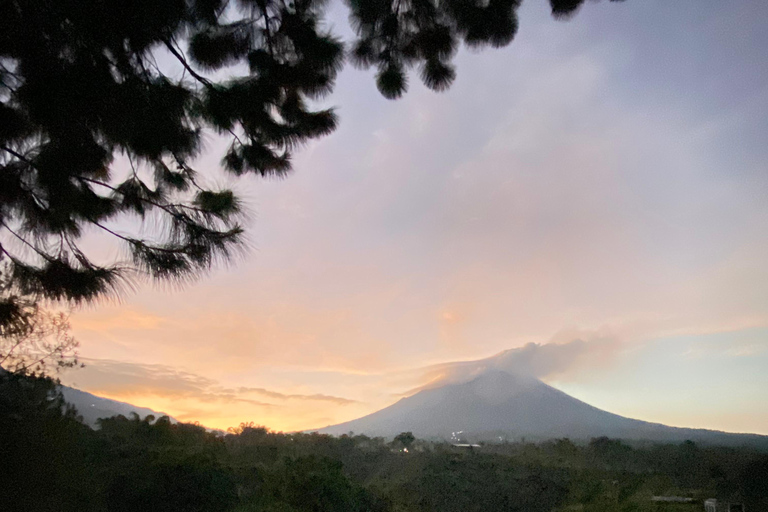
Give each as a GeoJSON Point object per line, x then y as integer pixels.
{"type": "Point", "coordinates": [92, 407]}
{"type": "Point", "coordinates": [498, 403]}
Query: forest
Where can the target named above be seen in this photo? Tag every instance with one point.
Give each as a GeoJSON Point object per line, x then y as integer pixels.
{"type": "Point", "coordinates": [53, 462]}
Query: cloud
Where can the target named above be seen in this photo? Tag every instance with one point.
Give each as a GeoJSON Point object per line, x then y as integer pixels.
{"type": "Point", "coordinates": [109, 376]}
{"type": "Point", "coordinates": [538, 360]}
{"type": "Point", "coordinates": [745, 343]}
{"type": "Point", "coordinates": [120, 319]}
{"type": "Point", "coordinates": [283, 396]}
{"type": "Point", "coordinates": [214, 402]}
{"type": "Point", "coordinates": [117, 377]}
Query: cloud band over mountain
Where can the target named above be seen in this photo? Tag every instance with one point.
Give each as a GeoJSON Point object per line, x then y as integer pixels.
{"type": "Point", "coordinates": [538, 360]}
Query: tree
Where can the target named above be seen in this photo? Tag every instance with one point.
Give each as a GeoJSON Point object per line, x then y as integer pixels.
{"type": "Point", "coordinates": [754, 484]}
{"type": "Point", "coordinates": [43, 347]}
{"type": "Point", "coordinates": [81, 87]}
{"type": "Point", "coordinates": [405, 439]}
{"type": "Point", "coordinates": [32, 338]}
{"type": "Point", "coordinates": [44, 459]}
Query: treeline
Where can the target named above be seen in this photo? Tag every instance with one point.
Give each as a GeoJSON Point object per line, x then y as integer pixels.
{"type": "Point", "coordinates": [50, 461]}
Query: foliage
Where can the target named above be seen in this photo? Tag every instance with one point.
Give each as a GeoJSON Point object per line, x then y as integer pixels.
{"type": "Point", "coordinates": [46, 345]}
{"type": "Point", "coordinates": [53, 462]}
{"type": "Point", "coordinates": [32, 338]}
{"type": "Point", "coordinates": [465, 482]}
{"type": "Point", "coordinates": [44, 465]}
{"type": "Point", "coordinates": [82, 87]}
{"type": "Point", "coordinates": [404, 439]}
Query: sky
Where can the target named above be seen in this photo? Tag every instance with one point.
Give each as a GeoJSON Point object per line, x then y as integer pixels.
{"type": "Point", "coordinates": [590, 202]}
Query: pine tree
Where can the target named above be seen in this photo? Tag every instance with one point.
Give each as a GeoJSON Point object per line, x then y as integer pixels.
{"type": "Point", "coordinates": [80, 86]}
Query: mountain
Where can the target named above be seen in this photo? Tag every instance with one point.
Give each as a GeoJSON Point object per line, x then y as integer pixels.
{"type": "Point", "coordinates": [497, 403]}
{"type": "Point", "coordinates": [92, 407]}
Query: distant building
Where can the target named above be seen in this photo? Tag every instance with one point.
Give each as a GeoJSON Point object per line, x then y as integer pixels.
{"type": "Point", "coordinates": [713, 505]}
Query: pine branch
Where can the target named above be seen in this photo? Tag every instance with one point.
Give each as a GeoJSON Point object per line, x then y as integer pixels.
{"type": "Point", "coordinates": [17, 155]}
{"type": "Point", "coordinates": [168, 208]}
{"type": "Point", "coordinates": [267, 30]}
{"type": "Point", "coordinates": [26, 242]}
{"type": "Point", "coordinates": [176, 53]}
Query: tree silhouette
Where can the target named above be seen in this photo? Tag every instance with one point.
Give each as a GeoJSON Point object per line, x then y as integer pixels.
{"type": "Point", "coordinates": [81, 86]}
{"type": "Point", "coordinates": [406, 439]}
{"type": "Point", "coordinates": [33, 340]}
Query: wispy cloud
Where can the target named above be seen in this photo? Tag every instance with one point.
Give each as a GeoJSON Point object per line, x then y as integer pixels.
{"type": "Point", "coordinates": [283, 396]}
{"type": "Point", "coordinates": [122, 319]}
{"type": "Point", "coordinates": [188, 396]}
{"type": "Point", "coordinates": [110, 376]}
{"type": "Point", "coordinates": [122, 378]}
{"type": "Point", "coordinates": [539, 360]}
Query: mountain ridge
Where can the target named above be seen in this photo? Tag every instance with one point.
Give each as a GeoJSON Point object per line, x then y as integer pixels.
{"type": "Point", "coordinates": [93, 407]}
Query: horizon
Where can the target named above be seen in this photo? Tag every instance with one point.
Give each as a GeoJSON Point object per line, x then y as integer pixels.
{"type": "Point", "coordinates": [587, 205]}
{"type": "Point", "coordinates": [426, 389]}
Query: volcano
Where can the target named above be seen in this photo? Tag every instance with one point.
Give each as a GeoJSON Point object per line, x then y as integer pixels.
{"type": "Point", "coordinates": [498, 404]}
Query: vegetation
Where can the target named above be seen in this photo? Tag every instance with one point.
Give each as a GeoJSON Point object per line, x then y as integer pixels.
{"type": "Point", "coordinates": [87, 83]}
{"type": "Point", "coordinates": [33, 339]}
{"type": "Point", "coordinates": [53, 462]}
